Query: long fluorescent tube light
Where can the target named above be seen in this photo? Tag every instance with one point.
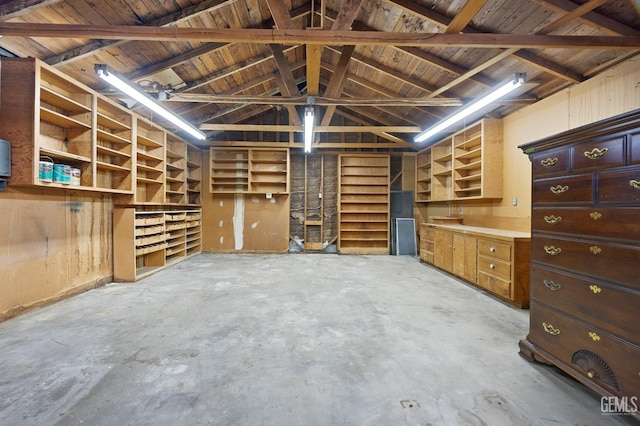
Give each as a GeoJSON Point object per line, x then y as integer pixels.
{"type": "Point", "coordinates": [473, 107]}
{"type": "Point", "coordinates": [308, 128]}
{"type": "Point", "coordinates": [129, 89]}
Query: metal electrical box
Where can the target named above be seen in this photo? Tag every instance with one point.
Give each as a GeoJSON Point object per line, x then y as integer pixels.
{"type": "Point", "coordinates": [5, 158]}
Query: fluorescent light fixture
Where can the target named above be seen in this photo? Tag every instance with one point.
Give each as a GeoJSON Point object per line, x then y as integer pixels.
{"type": "Point", "coordinates": [129, 89]}
{"type": "Point", "coordinates": [308, 127]}
{"type": "Point", "coordinates": [473, 107]}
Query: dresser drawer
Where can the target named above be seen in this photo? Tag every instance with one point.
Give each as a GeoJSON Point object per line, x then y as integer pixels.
{"type": "Point", "coordinates": [495, 267]}
{"type": "Point", "coordinates": [550, 163]}
{"type": "Point", "coordinates": [563, 190]}
{"type": "Point", "coordinates": [598, 222]}
{"type": "Point", "coordinates": [620, 185]}
{"type": "Point", "coordinates": [426, 232]}
{"type": "Point", "coordinates": [495, 285]}
{"type": "Point", "coordinates": [611, 262]}
{"type": "Point", "coordinates": [494, 249]}
{"type": "Point", "coordinates": [589, 300]}
{"type": "Point", "coordinates": [608, 361]}
{"type": "Point", "coordinates": [598, 155]}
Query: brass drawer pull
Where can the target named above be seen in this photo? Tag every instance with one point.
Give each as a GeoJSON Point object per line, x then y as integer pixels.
{"type": "Point", "coordinates": [635, 183]}
{"type": "Point", "coordinates": [595, 215]}
{"type": "Point", "coordinates": [595, 153]}
{"type": "Point", "coordinates": [553, 251]}
{"type": "Point", "coordinates": [553, 286]}
{"type": "Point", "coordinates": [553, 220]}
{"type": "Point", "coordinates": [559, 189]}
{"type": "Point", "coordinates": [594, 336]}
{"type": "Point", "coordinates": [550, 329]}
{"type": "Point", "coordinates": [595, 249]}
{"type": "Point", "coordinates": [595, 289]}
{"type": "Point", "coordinates": [549, 162]}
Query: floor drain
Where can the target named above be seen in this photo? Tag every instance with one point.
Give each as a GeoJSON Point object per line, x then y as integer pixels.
{"type": "Point", "coordinates": [409, 403]}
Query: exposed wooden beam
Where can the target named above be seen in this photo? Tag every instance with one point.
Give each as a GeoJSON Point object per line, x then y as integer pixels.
{"type": "Point", "coordinates": [288, 37]}
{"type": "Point", "coordinates": [346, 15]}
{"type": "Point", "coordinates": [593, 19]}
{"type": "Point", "coordinates": [529, 57]}
{"type": "Point", "coordinates": [280, 13]}
{"type": "Point", "coordinates": [300, 145]}
{"type": "Point", "coordinates": [14, 8]}
{"type": "Point", "coordinates": [96, 46]}
{"type": "Point", "coordinates": [299, 129]}
{"type": "Point", "coordinates": [314, 56]}
{"type": "Point", "coordinates": [464, 16]}
{"type": "Point", "coordinates": [319, 100]}
{"type": "Point", "coordinates": [337, 81]}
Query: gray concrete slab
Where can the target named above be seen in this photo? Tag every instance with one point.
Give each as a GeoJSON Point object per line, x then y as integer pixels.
{"type": "Point", "coordinates": [304, 339]}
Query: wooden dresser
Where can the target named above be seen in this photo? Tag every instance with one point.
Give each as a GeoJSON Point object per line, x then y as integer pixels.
{"type": "Point", "coordinates": [585, 249]}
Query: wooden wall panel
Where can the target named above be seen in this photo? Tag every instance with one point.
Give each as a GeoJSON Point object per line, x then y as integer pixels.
{"type": "Point", "coordinates": [52, 244]}
{"type": "Point", "coordinates": [245, 223]}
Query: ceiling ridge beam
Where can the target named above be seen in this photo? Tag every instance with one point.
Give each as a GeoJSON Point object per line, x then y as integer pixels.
{"type": "Point", "coordinates": [288, 37]}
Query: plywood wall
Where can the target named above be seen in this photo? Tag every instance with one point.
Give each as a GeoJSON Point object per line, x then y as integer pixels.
{"type": "Point", "coordinates": [52, 244]}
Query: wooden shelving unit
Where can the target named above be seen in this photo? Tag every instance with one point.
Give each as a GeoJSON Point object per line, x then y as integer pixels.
{"type": "Point", "coordinates": [363, 204]}
{"type": "Point", "coordinates": [423, 176]}
{"type": "Point", "coordinates": [46, 114]}
{"type": "Point", "coordinates": [464, 166]}
{"type": "Point", "coordinates": [194, 174]}
{"type": "Point", "coordinates": [147, 241]}
{"type": "Point", "coordinates": [176, 171]}
{"type": "Point", "coordinates": [249, 170]}
{"type": "Point", "coordinates": [114, 146]}
{"type": "Point", "coordinates": [150, 162]}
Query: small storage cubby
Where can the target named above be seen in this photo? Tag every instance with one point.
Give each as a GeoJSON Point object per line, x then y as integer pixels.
{"type": "Point", "coordinates": [229, 170]}
{"type": "Point", "coordinates": [269, 171]}
{"type": "Point", "coordinates": [147, 241]}
{"type": "Point", "coordinates": [150, 165]}
{"type": "Point", "coordinates": [364, 204]}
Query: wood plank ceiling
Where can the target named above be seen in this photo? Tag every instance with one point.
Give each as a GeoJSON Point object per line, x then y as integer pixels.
{"type": "Point", "coordinates": [378, 71]}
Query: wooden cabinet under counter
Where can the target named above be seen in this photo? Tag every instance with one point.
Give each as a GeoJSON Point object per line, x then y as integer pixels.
{"type": "Point", "coordinates": [494, 260]}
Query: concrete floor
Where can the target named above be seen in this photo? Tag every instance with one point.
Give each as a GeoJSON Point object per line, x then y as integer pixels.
{"type": "Point", "coordinates": [296, 339]}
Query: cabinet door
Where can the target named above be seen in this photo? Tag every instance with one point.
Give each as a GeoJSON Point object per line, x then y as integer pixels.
{"type": "Point", "coordinates": [443, 250]}
{"type": "Point", "coordinates": [464, 257]}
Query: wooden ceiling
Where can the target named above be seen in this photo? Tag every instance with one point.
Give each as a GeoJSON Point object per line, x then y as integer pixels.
{"type": "Point", "coordinates": [378, 71]}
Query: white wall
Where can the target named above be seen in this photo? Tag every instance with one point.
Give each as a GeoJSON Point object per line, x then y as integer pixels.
{"type": "Point", "coordinates": [614, 92]}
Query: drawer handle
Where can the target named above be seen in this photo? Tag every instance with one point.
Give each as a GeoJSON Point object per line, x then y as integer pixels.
{"type": "Point", "coordinates": [594, 336]}
{"type": "Point", "coordinates": [553, 286]}
{"type": "Point", "coordinates": [595, 249]}
{"type": "Point", "coordinates": [492, 249]}
{"type": "Point", "coordinates": [595, 289]}
{"type": "Point", "coordinates": [559, 189]}
{"type": "Point", "coordinates": [595, 215]}
{"type": "Point", "coordinates": [635, 183]}
{"type": "Point", "coordinates": [553, 219]}
{"type": "Point", "coordinates": [595, 153]}
{"type": "Point", "coordinates": [492, 266]}
{"type": "Point", "coordinates": [549, 162]}
{"type": "Point", "coordinates": [553, 251]}
{"type": "Point", "coordinates": [550, 329]}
